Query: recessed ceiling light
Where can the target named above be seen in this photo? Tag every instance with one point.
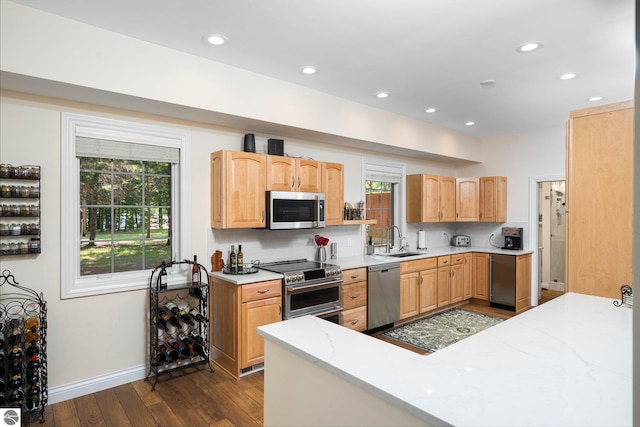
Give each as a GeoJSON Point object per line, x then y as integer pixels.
{"type": "Point", "coordinates": [382, 95]}
{"type": "Point", "coordinates": [470, 123]}
{"type": "Point", "coordinates": [430, 110]}
{"type": "Point", "coordinates": [487, 83]}
{"type": "Point", "coordinates": [215, 39]}
{"type": "Point", "coordinates": [595, 98]}
{"type": "Point", "coordinates": [529, 47]}
{"type": "Point", "coordinates": [568, 76]}
{"type": "Point", "coordinates": [309, 70]}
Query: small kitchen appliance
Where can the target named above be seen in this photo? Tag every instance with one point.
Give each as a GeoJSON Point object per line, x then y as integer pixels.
{"type": "Point", "coordinates": [309, 288]}
{"type": "Point", "coordinates": [249, 145]}
{"type": "Point", "coordinates": [460, 240]}
{"type": "Point", "coordinates": [512, 238]}
{"type": "Point", "coordinates": [275, 147]}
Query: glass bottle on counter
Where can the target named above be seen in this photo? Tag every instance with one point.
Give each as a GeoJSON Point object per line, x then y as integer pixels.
{"type": "Point", "coordinates": [232, 259]}
{"type": "Point", "coordinates": [239, 259]}
{"type": "Point", "coordinates": [195, 272]}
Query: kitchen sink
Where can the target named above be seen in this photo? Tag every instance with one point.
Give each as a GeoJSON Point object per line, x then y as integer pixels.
{"type": "Point", "coordinates": [403, 254]}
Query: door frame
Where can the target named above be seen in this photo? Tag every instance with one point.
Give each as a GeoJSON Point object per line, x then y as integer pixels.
{"type": "Point", "coordinates": [534, 182]}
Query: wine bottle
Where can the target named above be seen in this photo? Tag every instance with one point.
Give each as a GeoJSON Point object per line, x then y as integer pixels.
{"type": "Point", "coordinates": [164, 278]}
{"type": "Point", "coordinates": [174, 354]}
{"type": "Point", "coordinates": [32, 377]}
{"type": "Point", "coordinates": [197, 338]}
{"type": "Point", "coordinates": [196, 315]}
{"type": "Point", "coordinates": [16, 381]}
{"type": "Point", "coordinates": [233, 263]}
{"type": "Point", "coordinates": [1, 337]}
{"type": "Point", "coordinates": [186, 317]}
{"type": "Point", "coordinates": [32, 338]}
{"type": "Point", "coordinates": [32, 324]}
{"type": "Point", "coordinates": [162, 324]}
{"type": "Point", "coordinates": [33, 364]}
{"type": "Point", "coordinates": [15, 355]}
{"type": "Point", "coordinates": [3, 399]}
{"type": "Point", "coordinates": [169, 317]}
{"type": "Point", "coordinates": [186, 340]}
{"type": "Point", "coordinates": [16, 396]}
{"type": "Point", "coordinates": [32, 402]}
{"type": "Point", "coordinates": [197, 293]}
{"type": "Point", "coordinates": [15, 336]}
{"type": "Point", "coordinates": [239, 259]}
{"type": "Point", "coordinates": [200, 351]}
{"type": "Point", "coordinates": [163, 354]}
{"type": "Point", "coordinates": [173, 307]}
{"type": "Point", "coordinates": [195, 272]}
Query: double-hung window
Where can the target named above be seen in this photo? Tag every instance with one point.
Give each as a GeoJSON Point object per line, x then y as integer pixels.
{"type": "Point", "coordinates": [384, 198]}
{"type": "Point", "coordinates": [124, 197]}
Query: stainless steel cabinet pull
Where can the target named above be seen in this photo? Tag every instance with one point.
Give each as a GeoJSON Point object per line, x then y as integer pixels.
{"type": "Point", "coordinates": [263, 291]}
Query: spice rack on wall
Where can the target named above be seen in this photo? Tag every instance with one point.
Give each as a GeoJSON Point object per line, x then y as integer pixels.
{"type": "Point", "coordinates": [19, 210]}
{"type": "Point", "coordinates": [23, 320]}
{"type": "Point", "coordinates": [171, 309]}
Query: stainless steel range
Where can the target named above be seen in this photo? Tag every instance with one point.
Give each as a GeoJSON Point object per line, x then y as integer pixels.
{"type": "Point", "coordinates": [309, 288]}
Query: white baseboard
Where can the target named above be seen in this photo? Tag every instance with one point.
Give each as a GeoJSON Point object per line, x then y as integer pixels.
{"type": "Point", "coordinates": [95, 384]}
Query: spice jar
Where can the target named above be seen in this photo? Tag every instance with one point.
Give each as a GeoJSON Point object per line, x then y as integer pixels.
{"type": "Point", "coordinates": [4, 170]}
{"type": "Point", "coordinates": [25, 210]}
{"type": "Point", "coordinates": [23, 247]}
{"type": "Point", "coordinates": [5, 190]}
{"type": "Point", "coordinates": [16, 229]}
{"type": "Point", "coordinates": [34, 245]}
{"type": "Point", "coordinates": [4, 229]}
{"type": "Point", "coordinates": [34, 191]}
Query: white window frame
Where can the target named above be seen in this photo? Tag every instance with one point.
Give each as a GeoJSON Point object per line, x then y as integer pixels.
{"type": "Point", "coordinates": [73, 125]}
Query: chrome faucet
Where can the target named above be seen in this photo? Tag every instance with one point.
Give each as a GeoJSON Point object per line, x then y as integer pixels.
{"type": "Point", "coordinates": [403, 242]}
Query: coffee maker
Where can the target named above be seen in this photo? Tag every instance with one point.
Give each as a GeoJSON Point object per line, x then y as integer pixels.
{"type": "Point", "coordinates": [512, 238]}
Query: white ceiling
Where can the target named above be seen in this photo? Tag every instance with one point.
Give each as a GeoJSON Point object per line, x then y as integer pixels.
{"type": "Point", "coordinates": [425, 53]}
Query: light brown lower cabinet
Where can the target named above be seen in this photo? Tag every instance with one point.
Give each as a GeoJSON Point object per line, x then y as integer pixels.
{"type": "Point", "coordinates": [523, 282]}
{"type": "Point", "coordinates": [467, 281]}
{"type": "Point", "coordinates": [418, 284]}
{"type": "Point", "coordinates": [354, 299]}
{"type": "Point", "coordinates": [444, 281]}
{"type": "Point", "coordinates": [237, 312]}
{"type": "Point", "coordinates": [481, 276]}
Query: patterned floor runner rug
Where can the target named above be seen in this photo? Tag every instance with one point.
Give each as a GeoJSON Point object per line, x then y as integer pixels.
{"type": "Point", "coordinates": [439, 331]}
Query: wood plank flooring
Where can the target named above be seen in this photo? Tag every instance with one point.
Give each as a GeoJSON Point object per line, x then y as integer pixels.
{"type": "Point", "coordinates": [186, 398]}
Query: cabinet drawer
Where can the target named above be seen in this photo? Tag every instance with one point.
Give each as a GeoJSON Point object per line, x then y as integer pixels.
{"type": "Point", "coordinates": [354, 295]}
{"type": "Point", "coordinates": [355, 319]}
{"type": "Point", "coordinates": [418, 265]}
{"type": "Point", "coordinates": [354, 275]}
{"type": "Point", "coordinates": [444, 261]}
{"type": "Point", "coordinates": [259, 290]}
{"type": "Point", "coordinates": [457, 259]}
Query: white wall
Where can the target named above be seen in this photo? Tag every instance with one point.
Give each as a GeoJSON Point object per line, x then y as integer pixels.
{"type": "Point", "coordinates": [103, 340]}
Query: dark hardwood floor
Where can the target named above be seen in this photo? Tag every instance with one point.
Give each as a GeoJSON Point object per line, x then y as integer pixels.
{"type": "Point", "coordinates": [188, 398]}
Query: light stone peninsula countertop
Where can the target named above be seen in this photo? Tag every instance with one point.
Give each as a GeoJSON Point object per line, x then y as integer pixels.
{"type": "Point", "coordinates": [564, 363]}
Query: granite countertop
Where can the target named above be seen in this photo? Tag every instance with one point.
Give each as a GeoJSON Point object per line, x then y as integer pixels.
{"type": "Point", "coordinates": [360, 261]}
{"type": "Point", "coordinates": [566, 362]}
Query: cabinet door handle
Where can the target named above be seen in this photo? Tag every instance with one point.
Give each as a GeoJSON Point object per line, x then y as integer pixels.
{"type": "Point", "coordinates": [280, 309]}
{"type": "Point", "coordinates": [355, 276]}
{"type": "Point", "coordinates": [263, 291]}
{"type": "Point", "coordinates": [298, 182]}
{"type": "Point", "coordinates": [293, 181]}
{"type": "Point", "coordinates": [354, 322]}
{"type": "Point", "coordinates": [355, 296]}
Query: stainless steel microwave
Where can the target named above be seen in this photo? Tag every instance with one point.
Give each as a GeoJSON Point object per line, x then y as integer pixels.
{"type": "Point", "coordinates": [292, 210]}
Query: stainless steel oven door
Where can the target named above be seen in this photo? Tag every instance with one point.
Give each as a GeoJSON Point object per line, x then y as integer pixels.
{"type": "Point", "coordinates": [312, 298]}
{"type": "Point", "coordinates": [332, 316]}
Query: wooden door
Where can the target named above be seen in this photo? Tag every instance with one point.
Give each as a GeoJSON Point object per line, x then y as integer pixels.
{"type": "Point", "coordinates": [467, 267]}
{"type": "Point", "coordinates": [447, 193]}
{"type": "Point", "coordinates": [280, 173]}
{"type": "Point", "coordinates": [481, 276]}
{"type": "Point", "coordinates": [467, 199]}
{"type": "Point", "coordinates": [409, 294]}
{"type": "Point", "coordinates": [427, 291]}
{"type": "Point", "coordinates": [599, 200]}
{"type": "Point", "coordinates": [493, 199]}
{"type": "Point", "coordinates": [333, 188]}
{"type": "Point", "coordinates": [255, 314]}
{"type": "Point", "coordinates": [308, 176]}
{"type": "Point", "coordinates": [444, 286]}
{"type": "Point", "coordinates": [423, 199]}
{"type": "Point", "coordinates": [244, 195]}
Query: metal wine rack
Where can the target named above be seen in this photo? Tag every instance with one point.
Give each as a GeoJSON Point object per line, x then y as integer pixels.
{"type": "Point", "coordinates": [25, 376]}
{"type": "Point", "coordinates": [186, 296]}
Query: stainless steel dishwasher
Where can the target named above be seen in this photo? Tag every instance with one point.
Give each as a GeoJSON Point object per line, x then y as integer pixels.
{"type": "Point", "coordinates": [383, 294]}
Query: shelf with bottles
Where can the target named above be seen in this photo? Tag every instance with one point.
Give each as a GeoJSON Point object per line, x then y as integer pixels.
{"type": "Point", "coordinates": [23, 347]}
{"type": "Point", "coordinates": [19, 210]}
{"type": "Point", "coordinates": [178, 320]}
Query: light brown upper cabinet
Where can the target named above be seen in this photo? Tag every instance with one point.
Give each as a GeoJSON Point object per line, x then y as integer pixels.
{"type": "Point", "coordinates": [333, 189]}
{"type": "Point", "coordinates": [430, 198]}
{"type": "Point", "coordinates": [238, 184]}
{"type": "Point", "coordinates": [493, 199]}
{"type": "Point", "coordinates": [467, 199]}
{"type": "Point", "coordinates": [599, 198]}
{"type": "Point", "coordinates": [291, 174]}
